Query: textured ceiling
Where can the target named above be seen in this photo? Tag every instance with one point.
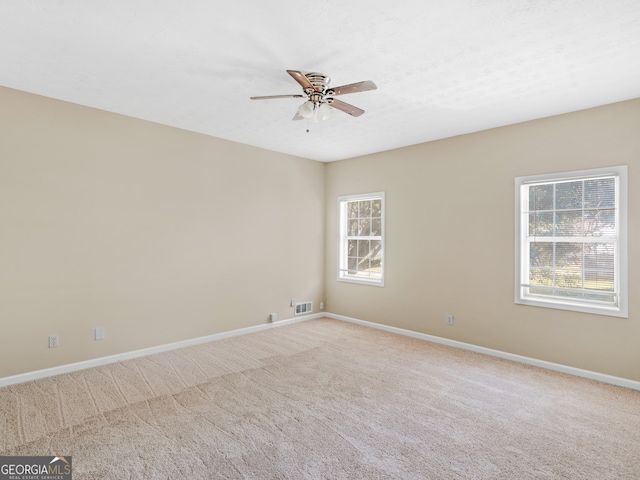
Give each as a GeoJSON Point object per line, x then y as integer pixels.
{"type": "Point", "coordinates": [443, 68]}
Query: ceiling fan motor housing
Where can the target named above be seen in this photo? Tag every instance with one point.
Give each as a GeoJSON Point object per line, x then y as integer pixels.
{"type": "Point", "coordinates": [318, 80]}
{"type": "Point", "coordinates": [320, 83]}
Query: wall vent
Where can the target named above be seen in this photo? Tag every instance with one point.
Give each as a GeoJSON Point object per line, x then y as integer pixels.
{"type": "Point", "coordinates": [304, 307]}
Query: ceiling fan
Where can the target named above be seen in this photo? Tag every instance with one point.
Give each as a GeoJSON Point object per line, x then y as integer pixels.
{"type": "Point", "coordinates": [320, 97]}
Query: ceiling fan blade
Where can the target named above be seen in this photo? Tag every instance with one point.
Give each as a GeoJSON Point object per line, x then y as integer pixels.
{"type": "Point", "coordinates": [346, 108]}
{"type": "Point", "coordinates": [301, 79]}
{"type": "Point", "coordinates": [267, 97]}
{"type": "Point", "coordinates": [354, 87]}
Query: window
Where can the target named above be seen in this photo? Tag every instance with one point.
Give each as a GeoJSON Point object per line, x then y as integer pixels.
{"type": "Point", "coordinates": [361, 249]}
{"type": "Point", "coordinates": [571, 250]}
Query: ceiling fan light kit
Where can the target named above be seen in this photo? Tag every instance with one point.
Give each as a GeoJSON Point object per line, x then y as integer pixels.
{"type": "Point", "coordinates": [320, 101]}
{"type": "Point", "coordinates": [315, 112]}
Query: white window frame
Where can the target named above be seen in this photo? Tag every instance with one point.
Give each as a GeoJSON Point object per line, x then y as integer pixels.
{"type": "Point", "coordinates": [343, 275]}
{"type": "Point", "coordinates": [619, 308]}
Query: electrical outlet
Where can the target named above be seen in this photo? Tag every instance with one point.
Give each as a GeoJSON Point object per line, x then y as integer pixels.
{"type": "Point", "coordinates": [321, 305]}
{"type": "Point", "coordinates": [449, 319]}
{"type": "Point", "coordinates": [273, 317]}
{"type": "Point", "coordinates": [98, 333]}
{"type": "Point", "coordinates": [53, 341]}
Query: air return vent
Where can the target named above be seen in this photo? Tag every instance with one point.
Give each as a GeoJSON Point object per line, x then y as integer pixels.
{"type": "Point", "coordinates": [304, 307]}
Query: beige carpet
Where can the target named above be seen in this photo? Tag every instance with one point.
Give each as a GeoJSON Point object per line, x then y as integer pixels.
{"type": "Point", "coordinates": [325, 399]}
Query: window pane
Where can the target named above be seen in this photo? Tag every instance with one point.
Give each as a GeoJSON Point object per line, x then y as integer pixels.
{"type": "Point", "coordinates": [568, 278]}
{"type": "Point", "coordinates": [568, 294]}
{"type": "Point", "coordinates": [541, 224]}
{"type": "Point", "coordinates": [376, 208]}
{"type": "Point", "coordinates": [599, 281]}
{"type": "Point", "coordinates": [364, 228]}
{"type": "Point", "coordinates": [376, 227]}
{"type": "Point", "coordinates": [353, 228]}
{"type": "Point", "coordinates": [541, 197]}
{"type": "Point", "coordinates": [541, 291]}
{"type": "Point", "coordinates": [599, 256]}
{"type": "Point", "coordinates": [352, 248]}
{"type": "Point", "coordinates": [600, 223]}
{"type": "Point", "coordinates": [365, 208]}
{"type": "Point", "coordinates": [541, 255]}
{"type": "Point", "coordinates": [352, 209]}
{"type": "Point", "coordinates": [569, 224]}
{"type": "Point", "coordinates": [569, 195]}
{"type": "Point", "coordinates": [569, 256]}
{"type": "Point", "coordinates": [363, 265]}
{"type": "Point", "coordinates": [600, 297]}
{"type": "Point", "coordinates": [376, 247]}
{"type": "Point", "coordinates": [352, 264]}
{"type": "Point", "coordinates": [364, 246]}
{"type": "Point", "coordinates": [600, 193]}
{"type": "Point", "coordinates": [541, 277]}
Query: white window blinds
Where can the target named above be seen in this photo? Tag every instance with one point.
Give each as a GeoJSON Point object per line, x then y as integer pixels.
{"type": "Point", "coordinates": [570, 241]}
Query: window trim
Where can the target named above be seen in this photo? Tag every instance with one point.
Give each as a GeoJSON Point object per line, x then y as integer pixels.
{"type": "Point", "coordinates": [621, 268]}
{"type": "Point", "coordinates": [342, 200]}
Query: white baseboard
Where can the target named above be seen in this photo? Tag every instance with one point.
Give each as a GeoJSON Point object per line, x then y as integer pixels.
{"type": "Point", "coordinates": [96, 362]}
{"type": "Point", "coordinates": [600, 377]}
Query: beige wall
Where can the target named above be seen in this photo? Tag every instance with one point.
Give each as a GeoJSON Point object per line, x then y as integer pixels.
{"type": "Point", "coordinates": [450, 239]}
{"type": "Point", "coordinates": [154, 233]}
{"type": "Point", "coordinates": [148, 231]}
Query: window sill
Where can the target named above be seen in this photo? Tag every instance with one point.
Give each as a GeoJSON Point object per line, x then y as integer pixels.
{"type": "Point", "coordinates": [362, 281]}
{"type": "Point", "coordinates": [575, 307]}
